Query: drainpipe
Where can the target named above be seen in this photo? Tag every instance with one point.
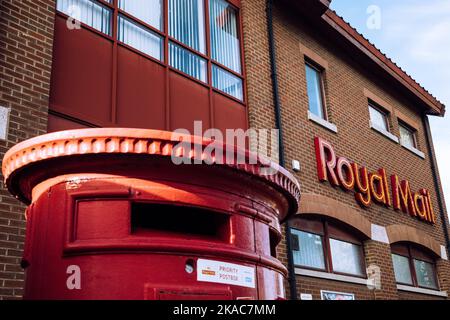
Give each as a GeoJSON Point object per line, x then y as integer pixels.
{"type": "Point", "coordinates": [435, 171]}
{"type": "Point", "coordinates": [278, 124]}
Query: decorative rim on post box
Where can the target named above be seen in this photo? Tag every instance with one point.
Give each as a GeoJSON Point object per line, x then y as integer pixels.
{"type": "Point", "coordinates": [126, 141]}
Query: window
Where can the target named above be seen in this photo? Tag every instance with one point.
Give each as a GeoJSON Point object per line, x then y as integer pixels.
{"type": "Point", "coordinates": [407, 136]}
{"type": "Point", "coordinates": [225, 48]}
{"type": "Point", "coordinates": [378, 118]}
{"type": "Point", "coordinates": [90, 12]}
{"type": "Point", "coordinates": [311, 253]}
{"type": "Point", "coordinates": [413, 266]}
{"type": "Point", "coordinates": [315, 91]}
{"type": "Point", "coordinates": [402, 269]}
{"type": "Point", "coordinates": [202, 39]}
{"type": "Point", "coordinates": [140, 38]}
{"type": "Point", "coordinates": [326, 246]}
{"type": "Point", "coordinates": [148, 11]}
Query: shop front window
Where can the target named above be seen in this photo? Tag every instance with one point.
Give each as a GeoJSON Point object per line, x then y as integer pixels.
{"type": "Point", "coordinates": [346, 257]}
{"type": "Point", "coordinates": [327, 246]}
{"type": "Point", "coordinates": [414, 266]}
{"type": "Point", "coordinates": [402, 269]}
{"type": "Point", "coordinates": [311, 252]}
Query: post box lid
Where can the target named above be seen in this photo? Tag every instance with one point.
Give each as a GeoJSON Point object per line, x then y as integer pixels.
{"type": "Point", "coordinates": [134, 142]}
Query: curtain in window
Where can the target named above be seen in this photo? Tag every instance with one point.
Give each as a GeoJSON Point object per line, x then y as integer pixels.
{"type": "Point", "coordinates": [401, 269]}
{"type": "Point", "coordinates": [89, 12]}
{"type": "Point", "coordinates": [187, 62]}
{"type": "Point", "coordinates": [346, 257]}
{"type": "Point", "coordinates": [425, 274]}
{"type": "Point", "coordinates": [227, 82]}
{"type": "Point", "coordinates": [149, 11]}
{"type": "Point", "coordinates": [406, 137]}
{"type": "Point", "coordinates": [140, 38]}
{"type": "Point", "coordinates": [225, 47]}
{"type": "Point", "coordinates": [187, 23]}
{"type": "Point", "coordinates": [311, 250]}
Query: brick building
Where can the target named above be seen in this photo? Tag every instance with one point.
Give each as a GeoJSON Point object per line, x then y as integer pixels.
{"type": "Point", "coordinates": [341, 105]}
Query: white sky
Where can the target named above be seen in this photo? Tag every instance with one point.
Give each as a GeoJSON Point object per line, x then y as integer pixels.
{"type": "Point", "coordinates": [416, 35]}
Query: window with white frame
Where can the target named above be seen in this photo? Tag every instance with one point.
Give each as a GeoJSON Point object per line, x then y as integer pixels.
{"type": "Point", "coordinates": [314, 86]}
{"type": "Point", "coordinates": [379, 118]}
{"type": "Point", "coordinates": [407, 136]}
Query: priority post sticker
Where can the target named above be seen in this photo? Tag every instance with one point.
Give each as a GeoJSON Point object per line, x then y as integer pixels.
{"type": "Point", "coordinates": [227, 273]}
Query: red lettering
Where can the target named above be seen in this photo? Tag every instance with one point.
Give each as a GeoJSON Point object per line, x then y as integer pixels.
{"type": "Point", "coordinates": [402, 197]}
{"type": "Point", "coordinates": [362, 193]}
{"type": "Point", "coordinates": [326, 161]}
{"type": "Point", "coordinates": [377, 188]}
{"type": "Point", "coordinates": [345, 174]}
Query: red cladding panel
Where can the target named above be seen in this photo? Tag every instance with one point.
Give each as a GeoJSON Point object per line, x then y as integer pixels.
{"type": "Point", "coordinates": [141, 91]}
{"type": "Point", "coordinates": [82, 73]}
{"type": "Point", "coordinates": [56, 123]}
{"type": "Point", "coordinates": [228, 114]}
{"type": "Point", "coordinates": [189, 102]}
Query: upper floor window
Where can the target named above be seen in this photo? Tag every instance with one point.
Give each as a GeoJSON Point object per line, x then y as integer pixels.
{"type": "Point", "coordinates": [314, 84]}
{"type": "Point", "coordinates": [413, 266]}
{"type": "Point", "coordinates": [407, 136]}
{"type": "Point", "coordinates": [321, 245]}
{"type": "Point", "coordinates": [202, 40]}
{"type": "Point", "coordinates": [378, 118]}
{"type": "Point", "coordinates": [90, 12]}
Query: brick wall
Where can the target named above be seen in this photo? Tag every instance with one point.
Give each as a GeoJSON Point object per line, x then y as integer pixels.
{"type": "Point", "coordinates": [26, 40]}
{"type": "Point", "coordinates": [347, 107]}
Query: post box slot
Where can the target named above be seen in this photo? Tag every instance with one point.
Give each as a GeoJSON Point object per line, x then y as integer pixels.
{"type": "Point", "coordinates": [161, 220]}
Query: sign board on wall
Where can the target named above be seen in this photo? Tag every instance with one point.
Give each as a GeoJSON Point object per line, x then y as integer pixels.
{"type": "Point", "coordinates": [224, 272]}
{"type": "Point", "coordinates": [333, 295]}
{"type": "Point", "coordinates": [371, 187]}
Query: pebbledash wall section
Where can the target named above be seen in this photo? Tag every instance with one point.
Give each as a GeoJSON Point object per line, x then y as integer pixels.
{"type": "Point", "coordinates": [348, 86]}
{"type": "Point", "coordinates": [26, 40]}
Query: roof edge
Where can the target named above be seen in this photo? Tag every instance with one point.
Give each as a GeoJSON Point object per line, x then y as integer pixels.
{"type": "Point", "coordinates": [436, 107]}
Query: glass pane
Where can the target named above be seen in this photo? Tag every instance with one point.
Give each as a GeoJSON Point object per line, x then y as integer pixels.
{"type": "Point", "coordinates": [378, 119]}
{"type": "Point", "coordinates": [187, 23]}
{"type": "Point", "coordinates": [311, 250]}
{"type": "Point", "coordinates": [227, 82]}
{"type": "Point", "coordinates": [401, 269]}
{"type": "Point", "coordinates": [140, 38]}
{"type": "Point", "coordinates": [149, 11]}
{"type": "Point", "coordinates": [89, 12]}
{"type": "Point", "coordinates": [314, 87]}
{"type": "Point", "coordinates": [225, 47]}
{"type": "Point", "coordinates": [407, 137]}
{"type": "Point", "coordinates": [425, 274]}
{"type": "Point", "coordinates": [186, 61]}
{"type": "Point", "coordinates": [346, 257]}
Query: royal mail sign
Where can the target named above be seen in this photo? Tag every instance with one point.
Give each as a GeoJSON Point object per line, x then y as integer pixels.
{"type": "Point", "coordinates": [371, 187]}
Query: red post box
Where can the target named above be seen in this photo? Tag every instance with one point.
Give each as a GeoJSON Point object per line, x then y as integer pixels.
{"type": "Point", "coordinates": [111, 216]}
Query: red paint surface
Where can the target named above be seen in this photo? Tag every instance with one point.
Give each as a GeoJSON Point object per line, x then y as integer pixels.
{"type": "Point", "coordinates": [131, 220]}
{"type": "Point", "coordinates": [97, 82]}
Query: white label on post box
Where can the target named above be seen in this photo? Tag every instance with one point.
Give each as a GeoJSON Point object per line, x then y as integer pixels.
{"type": "Point", "coordinates": [227, 273]}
